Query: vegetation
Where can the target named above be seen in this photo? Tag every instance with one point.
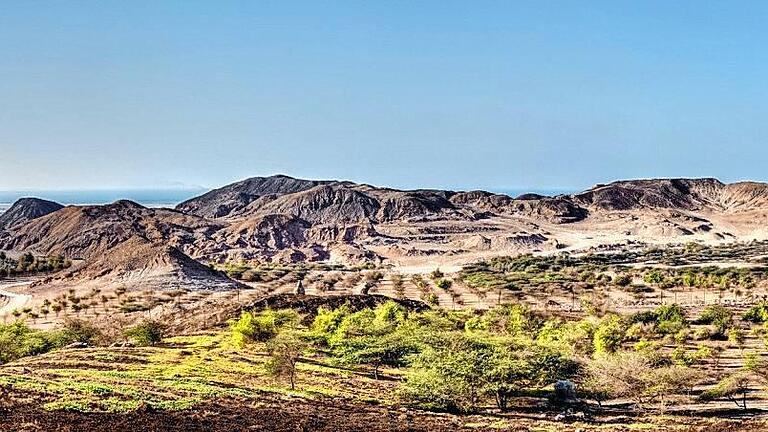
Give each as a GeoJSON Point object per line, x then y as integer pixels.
{"type": "Point", "coordinates": [586, 273]}
{"type": "Point", "coordinates": [447, 359]}
{"type": "Point", "coordinates": [28, 264]}
{"type": "Point", "coordinates": [18, 340]}
{"type": "Point", "coordinates": [270, 272]}
{"type": "Point", "coordinates": [146, 333]}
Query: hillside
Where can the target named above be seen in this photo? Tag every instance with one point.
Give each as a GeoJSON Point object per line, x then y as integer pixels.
{"type": "Point", "coordinates": [232, 198]}
{"type": "Point", "coordinates": [26, 209]}
{"type": "Point", "coordinates": [282, 219]}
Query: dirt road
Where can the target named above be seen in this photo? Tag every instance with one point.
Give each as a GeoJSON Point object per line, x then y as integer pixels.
{"type": "Point", "coordinates": [13, 300]}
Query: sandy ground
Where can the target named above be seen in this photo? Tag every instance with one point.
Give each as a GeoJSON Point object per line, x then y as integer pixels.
{"type": "Point", "coordinates": [13, 300]}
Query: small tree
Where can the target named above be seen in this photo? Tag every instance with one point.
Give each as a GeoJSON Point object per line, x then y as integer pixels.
{"type": "Point", "coordinates": [398, 286]}
{"type": "Point", "coordinates": [734, 387]}
{"type": "Point", "coordinates": [284, 350]}
{"type": "Point", "coordinates": [78, 330]}
{"type": "Point", "coordinates": [737, 337]}
{"type": "Point", "coordinates": [436, 274]}
{"type": "Point", "coordinates": [378, 350]}
{"type": "Point", "coordinates": [56, 308]}
{"type": "Point", "coordinates": [444, 284]}
{"type": "Point", "coordinates": [609, 335]}
{"type": "Point", "coordinates": [511, 369]}
{"type": "Point", "coordinates": [632, 375]}
{"type": "Point", "coordinates": [719, 317]}
{"type": "Point", "coordinates": [450, 375]}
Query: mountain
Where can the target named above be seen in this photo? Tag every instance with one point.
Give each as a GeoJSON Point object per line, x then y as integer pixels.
{"type": "Point", "coordinates": [444, 221]}
{"type": "Point", "coordinates": [283, 219]}
{"type": "Point", "coordinates": [232, 198]}
{"type": "Point", "coordinates": [84, 232]}
{"type": "Point", "coordinates": [26, 209]}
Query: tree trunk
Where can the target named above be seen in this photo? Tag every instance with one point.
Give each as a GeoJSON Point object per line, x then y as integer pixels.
{"type": "Point", "coordinates": [501, 401]}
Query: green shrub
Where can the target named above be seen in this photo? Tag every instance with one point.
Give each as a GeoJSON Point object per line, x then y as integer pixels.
{"type": "Point", "coordinates": [609, 335]}
{"type": "Point", "coordinates": [18, 340]}
{"type": "Point", "coordinates": [260, 327]}
{"type": "Point", "coordinates": [666, 319]}
{"type": "Point", "coordinates": [702, 333]}
{"type": "Point", "coordinates": [622, 280]}
{"type": "Point", "coordinates": [758, 313]}
{"type": "Point", "coordinates": [147, 333]}
{"type": "Point", "coordinates": [327, 321]}
{"type": "Point", "coordinates": [719, 317]}
{"type": "Point", "coordinates": [78, 330]}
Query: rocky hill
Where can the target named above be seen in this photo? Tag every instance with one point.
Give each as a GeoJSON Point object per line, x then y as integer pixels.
{"type": "Point", "coordinates": [84, 232]}
{"type": "Point", "coordinates": [681, 194]}
{"type": "Point", "coordinates": [137, 263]}
{"type": "Point", "coordinates": [26, 209]}
{"type": "Point", "coordinates": [280, 218]}
{"type": "Point", "coordinates": [233, 198]}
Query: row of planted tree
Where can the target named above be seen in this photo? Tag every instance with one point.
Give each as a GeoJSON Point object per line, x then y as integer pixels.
{"type": "Point", "coordinates": [28, 264]}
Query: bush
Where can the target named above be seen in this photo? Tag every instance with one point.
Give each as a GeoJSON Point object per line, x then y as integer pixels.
{"type": "Point", "coordinates": [670, 313]}
{"type": "Point", "coordinates": [436, 274]}
{"type": "Point", "coordinates": [635, 376]}
{"type": "Point", "coordinates": [512, 319]}
{"type": "Point", "coordinates": [453, 375]}
{"type": "Point", "coordinates": [260, 327]}
{"type": "Point", "coordinates": [78, 330]}
{"type": "Point", "coordinates": [622, 280]}
{"type": "Point", "coordinates": [702, 333]}
{"type": "Point", "coordinates": [758, 313]}
{"type": "Point", "coordinates": [18, 340]}
{"type": "Point", "coordinates": [147, 333]}
{"type": "Point", "coordinates": [667, 319]}
{"type": "Point", "coordinates": [431, 299]}
{"type": "Point", "coordinates": [718, 316]}
{"type": "Point", "coordinates": [327, 320]}
{"type": "Point", "coordinates": [609, 335]}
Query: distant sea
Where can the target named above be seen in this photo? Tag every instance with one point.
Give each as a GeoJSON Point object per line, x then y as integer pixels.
{"type": "Point", "coordinates": [146, 197]}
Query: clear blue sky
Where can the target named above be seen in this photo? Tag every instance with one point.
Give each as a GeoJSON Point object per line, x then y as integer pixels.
{"type": "Point", "coordinates": [415, 93]}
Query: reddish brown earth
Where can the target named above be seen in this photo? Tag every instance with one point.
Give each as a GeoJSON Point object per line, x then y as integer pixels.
{"type": "Point", "coordinates": [332, 416]}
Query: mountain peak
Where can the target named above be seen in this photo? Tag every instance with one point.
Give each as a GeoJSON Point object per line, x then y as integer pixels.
{"type": "Point", "coordinates": [26, 209]}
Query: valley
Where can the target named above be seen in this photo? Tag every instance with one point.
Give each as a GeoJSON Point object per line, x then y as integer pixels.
{"type": "Point", "coordinates": [154, 314]}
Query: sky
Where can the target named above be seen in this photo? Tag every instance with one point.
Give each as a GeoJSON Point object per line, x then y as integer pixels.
{"type": "Point", "coordinates": [449, 94]}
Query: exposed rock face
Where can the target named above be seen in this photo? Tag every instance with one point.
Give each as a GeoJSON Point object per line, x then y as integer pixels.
{"type": "Point", "coordinates": [232, 198]}
{"type": "Point", "coordinates": [555, 209]}
{"type": "Point", "coordinates": [744, 196]}
{"type": "Point", "coordinates": [89, 231]}
{"type": "Point", "coordinates": [274, 231]}
{"type": "Point", "coordinates": [323, 204]}
{"type": "Point", "coordinates": [26, 209]}
{"type": "Point", "coordinates": [287, 220]}
{"type": "Point", "coordinates": [138, 263]}
{"type": "Point", "coordinates": [683, 194]}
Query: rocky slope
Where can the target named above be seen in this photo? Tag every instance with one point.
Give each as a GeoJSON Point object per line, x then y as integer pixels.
{"type": "Point", "coordinates": [137, 264]}
{"type": "Point", "coordinates": [280, 218]}
{"type": "Point", "coordinates": [84, 232]}
{"type": "Point", "coordinates": [233, 198]}
{"type": "Point", "coordinates": [26, 209]}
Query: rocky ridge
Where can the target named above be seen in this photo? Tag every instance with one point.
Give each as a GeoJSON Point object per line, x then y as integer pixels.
{"type": "Point", "coordinates": [280, 218]}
